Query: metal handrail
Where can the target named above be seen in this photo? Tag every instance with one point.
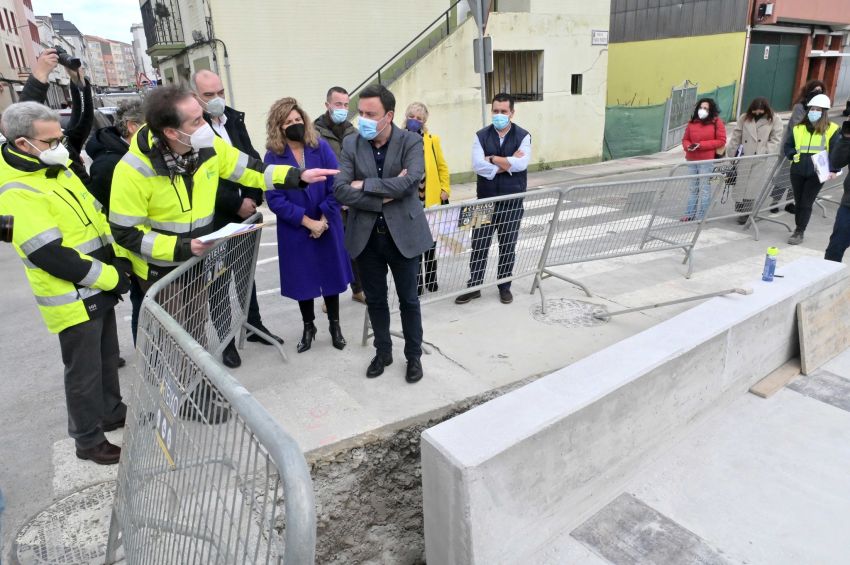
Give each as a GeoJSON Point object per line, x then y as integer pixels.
{"type": "Point", "coordinates": [445, 15]}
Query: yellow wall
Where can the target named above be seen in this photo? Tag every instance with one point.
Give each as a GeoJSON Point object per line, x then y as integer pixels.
{"type": "Point", "coordinates": [641, 73]}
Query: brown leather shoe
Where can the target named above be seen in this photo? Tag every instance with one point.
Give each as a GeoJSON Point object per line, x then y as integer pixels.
{"type": "Point", "coordinates": [103, 453]}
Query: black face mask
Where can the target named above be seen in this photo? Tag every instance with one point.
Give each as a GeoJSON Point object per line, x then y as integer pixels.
{"type": "Point", "coordinates": [758, 116]}
{"type": "Point", "coordinates": [295, 132]}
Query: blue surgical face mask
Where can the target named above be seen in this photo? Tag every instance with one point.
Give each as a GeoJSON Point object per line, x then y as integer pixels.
{"type": "Point", "coordinates": [814, 115]}
{"type": "Point", "coordinates": [339, 115]}
{"type": "Point", "coordinates": [500, 121]}
{"type": "Point", "coordinates": [413, 124]}
{"type": "Point", "coordinates": [369, 128]}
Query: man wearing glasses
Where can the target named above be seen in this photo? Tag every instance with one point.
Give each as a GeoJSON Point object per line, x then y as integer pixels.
{"type": "Point", "coordinates": [76, 272]}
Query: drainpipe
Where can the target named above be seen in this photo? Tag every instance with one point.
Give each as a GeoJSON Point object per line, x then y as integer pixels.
{"type": "Point", "coordinates": [746, 57]}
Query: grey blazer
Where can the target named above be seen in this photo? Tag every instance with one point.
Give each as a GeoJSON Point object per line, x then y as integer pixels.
{"type": "Point", "coordinates": [404, 215]}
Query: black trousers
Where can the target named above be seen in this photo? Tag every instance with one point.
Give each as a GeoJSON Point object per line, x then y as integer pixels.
{"type": "Point", "coordinates": [505, 222]}
{"type": "Point", "coordinates": [92, 393]}
{"type": "Point", "coordinates": [380, 255]}
{"type": "Point", "coordinates": [220, 293]}
{"type": "Point", "coordinates": [805, 191]}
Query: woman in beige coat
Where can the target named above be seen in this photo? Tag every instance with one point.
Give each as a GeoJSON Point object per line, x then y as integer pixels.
{"type": "Point", "coordinates": [758, 131]}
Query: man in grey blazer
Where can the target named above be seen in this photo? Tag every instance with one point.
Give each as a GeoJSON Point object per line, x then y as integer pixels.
{"type": "Point", "coordinates": [379, 174]}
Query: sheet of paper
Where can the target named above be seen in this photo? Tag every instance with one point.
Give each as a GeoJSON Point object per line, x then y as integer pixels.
{"type": "Point", "coordinates": [230, 230]}
{"type": "Point", "coordinates": [821, 163]}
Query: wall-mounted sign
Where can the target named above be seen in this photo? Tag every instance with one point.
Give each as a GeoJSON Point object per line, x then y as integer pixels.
{"type": "Point", "coordinates": [599, 37]}
{"type": "Point", "coordinates": [766, 52]}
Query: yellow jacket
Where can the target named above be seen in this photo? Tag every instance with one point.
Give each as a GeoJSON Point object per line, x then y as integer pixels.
{"type": "Point", "coordinates": [436, 170]}
{"type": "Point", "coordinates": [62, 238]}
{"type": "Point", "coordinates": [155, 216]}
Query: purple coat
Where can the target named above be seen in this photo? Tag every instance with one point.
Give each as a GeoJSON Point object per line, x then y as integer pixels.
{"type": "Point", "coordinates": [309, 267]}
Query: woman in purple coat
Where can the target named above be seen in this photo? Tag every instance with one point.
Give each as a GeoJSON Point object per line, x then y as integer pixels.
{"type": "Point", "coordinates": [313, 261]}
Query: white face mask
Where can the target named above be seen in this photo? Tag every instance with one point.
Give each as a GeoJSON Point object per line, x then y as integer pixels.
{"type": "Point", "coordinates": [215, 107]}
{"type": "Point", "coordinates": [201, 138]}
{"type": "Point", "coordinates": [702, 113]}
{"type": "Point", "coordinates": [56, 156]}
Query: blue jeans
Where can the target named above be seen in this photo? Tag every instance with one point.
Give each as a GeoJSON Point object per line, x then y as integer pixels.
{"type": "Point", "coordinates": [379, 255]}
{"type": "Point", "coordinates": [839, 241]}
{"type": "Point", "coordinates": [700, 190]}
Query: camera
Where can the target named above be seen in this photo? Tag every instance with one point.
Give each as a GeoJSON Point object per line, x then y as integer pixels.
{"type": "Point", "coordinates": [7, 223]}
{"type": "Point", "coordinates": [66, 60]}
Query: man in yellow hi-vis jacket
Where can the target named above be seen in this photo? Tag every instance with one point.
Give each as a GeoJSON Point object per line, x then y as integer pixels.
{"type": "Point", "coordinates": [73, 267]}
{"type": "Point", "coordinates": [164, 188]}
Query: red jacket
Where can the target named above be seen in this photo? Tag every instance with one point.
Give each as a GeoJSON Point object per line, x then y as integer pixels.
{"type": "Point", "coordinates": [710, 136]}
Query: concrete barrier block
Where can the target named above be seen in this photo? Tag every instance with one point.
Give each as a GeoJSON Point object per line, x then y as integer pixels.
{"type": "Point", "coordinates": [503, 479]}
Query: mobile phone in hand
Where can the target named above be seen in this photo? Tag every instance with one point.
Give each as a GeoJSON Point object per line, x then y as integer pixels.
{"type": "Point", "coordinates": [692, 146]}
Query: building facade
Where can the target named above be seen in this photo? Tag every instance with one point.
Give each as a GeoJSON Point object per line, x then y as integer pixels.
{"type": "Point", "coordinates": [430, 54]}
{"type": "Point", "coordinates": [793, 41]}
{"type": "Point", "coordinates": [144, 65]}
{"type": "Point", "coordinates": [17, 53]}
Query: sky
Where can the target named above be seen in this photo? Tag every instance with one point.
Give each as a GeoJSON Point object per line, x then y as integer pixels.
{"type": "Point", "coordinates": [110, 19]}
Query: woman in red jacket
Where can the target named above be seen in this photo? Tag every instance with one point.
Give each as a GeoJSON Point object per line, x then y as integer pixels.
{"type": "Point", "coordinates": [704, 135]}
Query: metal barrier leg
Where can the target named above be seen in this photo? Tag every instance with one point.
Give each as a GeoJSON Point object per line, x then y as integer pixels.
{"type": "Point", "coordinates": [112, 541]}
{"type": "Point", "coordinates": [821, 206]}
{"type": "Point", "coordinates": [571, 281]}
{"type": "Point", "coordinates": [365, 340]}
{"type": "Point", "coordinates": [265, 336]}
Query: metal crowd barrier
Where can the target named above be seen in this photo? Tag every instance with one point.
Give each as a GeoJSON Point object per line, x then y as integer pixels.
{"type": "Point", "coordinates": [618, 219]}
{"type": "Point", "coordinates": [466, 235]}
{"type": "Point", "coordinates": [548, 228]}
{"type": "Point", "coordinates": [739, 186]}
{"type": "Point", "coordinates": [206, 474]}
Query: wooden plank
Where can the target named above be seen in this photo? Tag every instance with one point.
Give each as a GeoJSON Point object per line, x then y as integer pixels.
{"type": "Point", "coordinates": [768, 386]}
{"type": "Point", "coordinates": [823, 322]}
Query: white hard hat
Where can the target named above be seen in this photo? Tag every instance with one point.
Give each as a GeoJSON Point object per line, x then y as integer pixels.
{"type": "Point", "coordinates": [821, 101]}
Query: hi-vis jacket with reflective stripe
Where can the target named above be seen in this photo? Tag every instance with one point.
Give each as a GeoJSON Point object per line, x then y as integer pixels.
{"type": "Point", "coordinates": [802, 144]}
{"type": "Point", "coordinates": [63, 240]}
{"type": "Point", "coordinates": [155, 216]}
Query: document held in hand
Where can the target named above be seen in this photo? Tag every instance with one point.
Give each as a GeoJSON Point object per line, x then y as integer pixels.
{"type": "Point", "coordinates": [230, 230]}
{"type": "Point", "coordinates": [821, 163]}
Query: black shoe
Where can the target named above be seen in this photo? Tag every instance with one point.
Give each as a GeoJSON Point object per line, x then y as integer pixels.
{"type": "Point", "coordinates": [505, 295]}
{"type": "Point", "coordinates": [432, 287]}
{"type": "Point", "coordinates": [103, 453]}
{"type": "Point", "coordinates": [469, 296]}
{"type": "Point", "coordinates": [230, 357]}
{"type": "Point", "coordinates": [205, 404]}
{"type": "Point", "coordinates": [307, 337]}
{"type": "Point", "coordinates": [414, 371]}
{"type": "Point", "coordinates": [121, 362]}
{"type": "Point", "coordinates": [257, 338]}
{"type": "Point", "coordinates": [743, 219]}
{"type": "Point", "coordinates": [774, 210]}
{"type": "Point", "coordinates": [376, 367]}
{"type": "Point", "coordinates": [336, 336]}
{"type": "Point", "coordinates": [790, 208]}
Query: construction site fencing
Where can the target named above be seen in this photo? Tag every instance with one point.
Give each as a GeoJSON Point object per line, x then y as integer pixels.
{"type": "Point", "coordinates": [547, 228]}
{"type": "Point", "coordinates": [206, 474]}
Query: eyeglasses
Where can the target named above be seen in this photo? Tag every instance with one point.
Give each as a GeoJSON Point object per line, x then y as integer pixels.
{"type": "Point", "coordinates": [53, 143]}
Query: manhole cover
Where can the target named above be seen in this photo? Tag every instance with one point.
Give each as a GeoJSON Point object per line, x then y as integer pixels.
{"type": "Point", "coordinates": [569, 313]}
{"type": "Point", "coordinates": [72, 531]}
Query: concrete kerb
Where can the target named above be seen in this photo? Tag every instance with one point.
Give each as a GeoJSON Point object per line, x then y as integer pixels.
{"type": "Point", "coordinates": [588, 426]}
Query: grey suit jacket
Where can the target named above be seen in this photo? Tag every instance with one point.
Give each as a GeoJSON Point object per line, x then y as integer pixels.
{"type": "Point", "coordinates": [404, 215]}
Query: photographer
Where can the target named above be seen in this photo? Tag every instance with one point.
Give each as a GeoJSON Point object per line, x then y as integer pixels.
{"type": "Point", "coordinates": [839, 157]}
{"type": "Point", "coordinates": [82, 105]}
{"type": "Point", "coordinates": [76, 273]}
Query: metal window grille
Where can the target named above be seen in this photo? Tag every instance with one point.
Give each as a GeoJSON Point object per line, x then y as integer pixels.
{"type": "Point", "coordinates": [518, 73]}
